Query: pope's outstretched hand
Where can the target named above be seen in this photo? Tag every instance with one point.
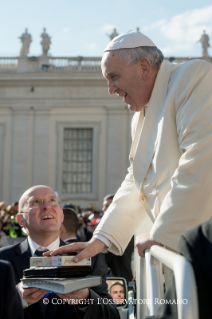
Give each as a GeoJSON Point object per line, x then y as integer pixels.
{"type": "Point", "coordinates": [83, 250]}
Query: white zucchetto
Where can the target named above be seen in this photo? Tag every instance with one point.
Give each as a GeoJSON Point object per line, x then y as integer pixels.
{"type": "Point", "coordinates": [128, 41]}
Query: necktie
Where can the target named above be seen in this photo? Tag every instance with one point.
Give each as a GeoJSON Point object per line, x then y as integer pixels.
{"type": "Point", "coordinates": [39, 252]}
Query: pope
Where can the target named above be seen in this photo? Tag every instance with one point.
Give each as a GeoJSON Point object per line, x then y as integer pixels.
{"type": "Point", "coordinates": [169, 178]}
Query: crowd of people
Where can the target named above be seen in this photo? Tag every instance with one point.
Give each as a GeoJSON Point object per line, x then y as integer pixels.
{"type": "Point", "coordinates": [8, 224]}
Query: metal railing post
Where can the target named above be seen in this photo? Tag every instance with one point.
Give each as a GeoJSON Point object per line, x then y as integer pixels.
{"type": "Point", "coordinates": [154, 282]}
{"type": "Point", "coordinates": [184, 280]}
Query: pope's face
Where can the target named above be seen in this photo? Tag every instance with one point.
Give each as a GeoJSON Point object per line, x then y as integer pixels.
{"type": "Point", "coordinates": [128, 82]}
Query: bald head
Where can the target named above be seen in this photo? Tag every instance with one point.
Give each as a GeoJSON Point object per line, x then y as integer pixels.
{"type": "Point", "coordinates": [27, 194]}
{"type": "Point", "coordinates": [40, 214]}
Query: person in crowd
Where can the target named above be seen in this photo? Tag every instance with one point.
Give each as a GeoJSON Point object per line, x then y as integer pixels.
{"type": "Point", "coordinates": [10, 303]}
{"type": "Point", "coordinates": [3, 212]}
{"type": "Point", "coordinates": [40, 214]}
{"type": "Point", "coordinates": [120, 266]}
{"type": "Point", "coordinates": [3, 237]}
{"type": "Point", "coordinates": [83, 233]}
{"type": "Point", "coordinates": [117, 293]}
{"type": "Point", "coordinates": [69, 227]}
{"type": "Point", "coordinates": [169, 179]}
{"type": "Point", "coordinates": [106, 202]}
{"type": "Point", "coordinates": [2, 207]}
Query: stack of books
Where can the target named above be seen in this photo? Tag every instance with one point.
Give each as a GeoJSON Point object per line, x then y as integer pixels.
{"type": "Point", "coordinates": [59, 274]}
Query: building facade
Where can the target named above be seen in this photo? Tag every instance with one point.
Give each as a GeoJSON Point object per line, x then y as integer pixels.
{"type": "Point", "coordinates": [60, 127]}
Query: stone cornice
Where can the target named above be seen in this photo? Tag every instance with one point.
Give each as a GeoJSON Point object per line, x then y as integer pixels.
{"type": "Point", "coordinates": [51, 82]}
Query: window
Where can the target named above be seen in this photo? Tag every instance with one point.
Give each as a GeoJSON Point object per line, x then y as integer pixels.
{"type": "Point", "coordinates": [77, 161]}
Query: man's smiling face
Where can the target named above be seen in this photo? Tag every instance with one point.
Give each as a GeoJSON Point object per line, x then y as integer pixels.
{"type": "Point", "coordinates": [44, 219]}
{"type": "Point", "coordinates": [128, 81]}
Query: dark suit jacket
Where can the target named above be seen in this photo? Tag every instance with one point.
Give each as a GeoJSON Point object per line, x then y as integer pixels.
{"type": "Point", "coordinates": [120, 266]}
{"type": "Point", "coordinates": [10, 303]}
{"type": "Point", "coordinates": [19, 255]}
{"type": "Point", "coordinates": [196, 246]}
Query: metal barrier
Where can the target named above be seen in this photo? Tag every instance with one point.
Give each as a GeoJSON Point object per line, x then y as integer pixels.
{"type": "Point", "coordinates": [184, 281]}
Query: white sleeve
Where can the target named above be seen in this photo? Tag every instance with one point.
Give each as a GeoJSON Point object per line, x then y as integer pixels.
{"type": "Point", "coordinates": [103, 239]}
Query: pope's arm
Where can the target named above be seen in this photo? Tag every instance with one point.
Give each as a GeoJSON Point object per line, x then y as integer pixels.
{"type": "Point", "coordinates": [125, 213]}
{"type": "Point", "coordinates": [189, 201]}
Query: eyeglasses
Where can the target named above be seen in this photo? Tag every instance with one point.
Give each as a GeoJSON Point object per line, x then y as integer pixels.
{"type": "Point", "coordinates": [38, 202]}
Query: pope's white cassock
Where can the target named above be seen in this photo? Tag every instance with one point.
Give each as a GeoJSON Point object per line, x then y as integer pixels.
{"type": "Point", "coordinates": [170, 176]}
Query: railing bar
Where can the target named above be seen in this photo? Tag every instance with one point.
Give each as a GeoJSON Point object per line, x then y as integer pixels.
{"type": "Point", "coordinates": [183, 272]}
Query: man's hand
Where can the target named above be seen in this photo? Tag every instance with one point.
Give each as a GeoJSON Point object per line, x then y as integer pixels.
{"type": "Point", "coordinates": [31, 295]}
{"type": "Point", "coordinates": [75, 297]}
{"type": "Point", "coordinates": [143, 242]}
{"type": "Point", "coordinates": [84, 250]}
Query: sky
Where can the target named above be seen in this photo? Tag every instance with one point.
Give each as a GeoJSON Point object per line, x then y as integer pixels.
{"type": "Point", "coordinates": [80, 28]}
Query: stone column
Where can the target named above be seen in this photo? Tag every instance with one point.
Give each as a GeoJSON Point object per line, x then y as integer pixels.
{"type": "Point", "coordinates": [41, 148]}
{"type": "Point", "coordinates": [117, 147]}
{"type": "Point", "coordinates": [19, 153]}
{"type": "Point", "coordinates": [2, 135]}
{"type": "Point", "coordinates": [30, 147]}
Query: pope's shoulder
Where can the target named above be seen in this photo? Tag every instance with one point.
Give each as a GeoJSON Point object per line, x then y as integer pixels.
{"type": "Point", "coordinates": [189, 74]}
{"type": "Point", "coordinates": [193, 66]}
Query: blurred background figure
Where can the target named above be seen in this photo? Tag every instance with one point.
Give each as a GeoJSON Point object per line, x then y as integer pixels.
{"type": "Point", "coordinates": [2, 206]}
{"type": "Point", "coordinates": [106, 202]}
{"type": "Point", "coordinates": [11, 227]}
{"type": "Point", "coordinates": [83, 233]}
{"type": "Point", "coordinates": [3, 238]}
{"type": "Point", "coordinates": [3, 212]}
{"type": "Point", "coordinates": [68, 232]}
{"type": "Point", "coordinates": [8, 225]}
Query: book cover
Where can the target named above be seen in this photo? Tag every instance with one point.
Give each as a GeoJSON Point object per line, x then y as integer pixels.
{"type": "Point", "coordinates": [57, 272]}
{"type": "Point", "coordinates": [62, 285]}
{"type": "Point", "coordinates": [56, 261]}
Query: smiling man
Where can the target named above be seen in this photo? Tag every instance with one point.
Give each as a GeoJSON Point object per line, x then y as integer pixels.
{"type": "Point", "coordinates": [169, 179]}
{"type": "Point", "coordinates": [41, 216]}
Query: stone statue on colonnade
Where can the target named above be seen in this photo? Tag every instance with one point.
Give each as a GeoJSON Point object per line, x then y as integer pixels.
{"type": "Point", "coordinates": [46, 41]}
{"type": "Point", "coordinates": [204, 40]}
{"type": "Point", "coordinates": [26, 40]}
{"type": "Point", "coordinates": [113, 34]}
